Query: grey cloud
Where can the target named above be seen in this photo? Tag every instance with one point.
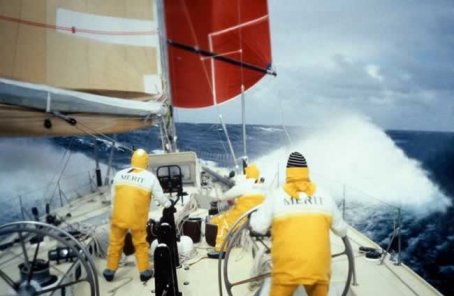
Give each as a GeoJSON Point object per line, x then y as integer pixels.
{"type": "Point", "coordinates": [390, 60]}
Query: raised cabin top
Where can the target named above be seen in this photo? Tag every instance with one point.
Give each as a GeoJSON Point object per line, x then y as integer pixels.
{"type": "Point", "coordinates": [187, 161]}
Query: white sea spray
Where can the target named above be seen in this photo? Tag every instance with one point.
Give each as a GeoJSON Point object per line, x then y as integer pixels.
{"type": "Point", "coordinates": [352, 157]}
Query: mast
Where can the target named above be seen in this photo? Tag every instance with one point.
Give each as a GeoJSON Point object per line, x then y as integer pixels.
{"type": "Point", "coordinates": [168, 124]}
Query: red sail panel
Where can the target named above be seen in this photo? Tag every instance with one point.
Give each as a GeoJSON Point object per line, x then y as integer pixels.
{"type": "Point", "coordinates": [237, 30]}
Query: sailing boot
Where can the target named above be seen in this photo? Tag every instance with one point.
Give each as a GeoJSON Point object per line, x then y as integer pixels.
{"type": "Point", "coordinates": [146, 275]}
{"type": "Point", "coordinates": [108, 274]}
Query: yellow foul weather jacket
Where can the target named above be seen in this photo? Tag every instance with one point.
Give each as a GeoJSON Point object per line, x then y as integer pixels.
{"type": "Point", "coordinates": [248, 195]}
{"type": "Point", "coordinates": [300, 225]}
{"type": "Point", "coordinates": [132, 191]}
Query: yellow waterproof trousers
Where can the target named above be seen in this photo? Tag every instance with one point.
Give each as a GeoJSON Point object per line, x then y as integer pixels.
{"type": "Point", "coordinates": [226, 220]}
{"type": "Point", "coordinates": [288, 290]}
{"type": "Point", "coordinates": [117, 241]}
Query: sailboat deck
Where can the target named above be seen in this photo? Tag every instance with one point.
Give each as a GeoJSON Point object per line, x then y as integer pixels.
{"type": "Point", "coordinates": [385, 279]}
{"type": "Point", "coordinates": [199, 276]}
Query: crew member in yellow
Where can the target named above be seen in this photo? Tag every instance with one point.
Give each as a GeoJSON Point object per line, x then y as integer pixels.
{"type": "Point", "coordinates": [300, 215]}
{"type": "Point", "coordinates": [246, 194]}
{"type": "Point", "coordinates": [132, 191]}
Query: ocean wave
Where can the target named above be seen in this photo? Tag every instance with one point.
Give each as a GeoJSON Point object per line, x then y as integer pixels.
{"type": "Point", "coordinates": [354, 158]}
{"type": "Point", "coordinates": [350, 156]}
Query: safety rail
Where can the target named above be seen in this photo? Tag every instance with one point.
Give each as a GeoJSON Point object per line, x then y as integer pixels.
{"type": "Point", "coordinates": [365, 216]}
{"type": "Point", "coordinates": [221, 159]}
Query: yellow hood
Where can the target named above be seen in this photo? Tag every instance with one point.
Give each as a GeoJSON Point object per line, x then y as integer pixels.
{"type": "Point", "coordinates": [139, 159]}
{"type": "Point", "coordinates": [298, 181]}
{"type": "Point", "coordinates": [252, 172]}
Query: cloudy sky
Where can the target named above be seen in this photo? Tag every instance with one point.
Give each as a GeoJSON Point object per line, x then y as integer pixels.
{"type": "Point", "coordinates": [392, 61]}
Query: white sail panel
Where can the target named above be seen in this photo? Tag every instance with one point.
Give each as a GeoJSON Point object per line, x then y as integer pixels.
{"type": "Point", "coordinates": [37, 47]}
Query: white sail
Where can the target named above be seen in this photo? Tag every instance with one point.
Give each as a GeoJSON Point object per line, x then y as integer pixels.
{"type": "Point", "coordinates": [92, 58]}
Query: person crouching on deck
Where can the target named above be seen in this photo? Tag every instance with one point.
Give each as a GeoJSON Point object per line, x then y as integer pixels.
{"type": "Point", "coordinates": [300, 215]}
{"type": "Point", "coordinates": [132, 191]}
{"type": "Point", "coordinates": [245, 195]}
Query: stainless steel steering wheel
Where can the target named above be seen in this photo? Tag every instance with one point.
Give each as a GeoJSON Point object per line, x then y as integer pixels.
{"type": "Point", "coordinates": [81, 268]}
{"type": "Point", "coordinates": [231, 240]}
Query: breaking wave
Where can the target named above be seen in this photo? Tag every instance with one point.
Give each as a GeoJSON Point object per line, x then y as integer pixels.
{"type": "Point", "coordinates": [349, 155]}
{"type": "Point", "coordinates": [352, 157]}
{"type": "Point", "coordinates": [34, 170]}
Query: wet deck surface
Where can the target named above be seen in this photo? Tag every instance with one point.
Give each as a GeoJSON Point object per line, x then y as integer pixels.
{"type": "Point", "coordinates": [199, 274]}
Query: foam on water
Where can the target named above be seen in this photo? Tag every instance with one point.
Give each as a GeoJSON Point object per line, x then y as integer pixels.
{"type": "Point", "coordinates": [352, 155]}
{"type": "Point", "coordinates": [32, 167]}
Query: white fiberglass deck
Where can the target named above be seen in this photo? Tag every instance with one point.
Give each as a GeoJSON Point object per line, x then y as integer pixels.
{"type": "Point", "coordinates": [199, 275]}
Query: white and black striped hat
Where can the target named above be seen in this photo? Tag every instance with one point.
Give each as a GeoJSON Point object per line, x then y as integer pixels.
{"type": "Point", "coordinates": [296, 160]}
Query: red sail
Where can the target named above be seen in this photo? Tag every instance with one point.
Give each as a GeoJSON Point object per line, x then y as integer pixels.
{"type": "Point", "coordinates": [224, 44]}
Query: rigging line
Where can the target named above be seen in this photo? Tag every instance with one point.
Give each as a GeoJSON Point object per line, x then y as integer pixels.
{"type": "Point", "coordinates": [42, 188]}
{"type": "Point", "coordinates": [240, 41]}
{"type": "Point", "coordinates": [243, 98]}
{"type": "Point", "coordinates": [94, 133]}
{"type": "Point", "coordinates": [232, 151]}
{"type": "Point", "coordinates": [76, 30]}
{"type": "Point", "coordinates": [220, 57]}
{"type": "Point", "coordinates": [359, 190]}
{"type": "Point", "coordinates": [150, 140]}
{"type": "Point", "coordinates": [289, 138]}
{"type": "Point", "coordinates": [220, 138]}
{"type": "Point", "coordinates": [60, 176]}
{"type": "Point", "coordinates": [194, 35]}
{"type": "Point", "coordinates": [57, 176]}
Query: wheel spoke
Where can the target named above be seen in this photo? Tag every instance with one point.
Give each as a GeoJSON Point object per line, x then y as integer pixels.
{"type": "Point", "coordinates": [65, 274]}
{"type": "Point", "coordinates": [24, 250]}
{"type": "Point", "coordinates": [30, 270]}
{"type": "Point", "coordinates": [82, 259]}
{"type": "Point", "coordinates": [263, 243]}
{"type": "Point", "coordinates": [58, 287]}
{"type": "Point", "coordinates": [8, 280]}
{"type": "Point", "coordinates": [259, 277]}
{"type": "Point", "coordinates": [339, 254]}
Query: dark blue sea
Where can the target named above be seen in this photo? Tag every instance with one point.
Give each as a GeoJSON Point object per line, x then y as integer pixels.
{"type": "Point", "coordinates": [31, 167]}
